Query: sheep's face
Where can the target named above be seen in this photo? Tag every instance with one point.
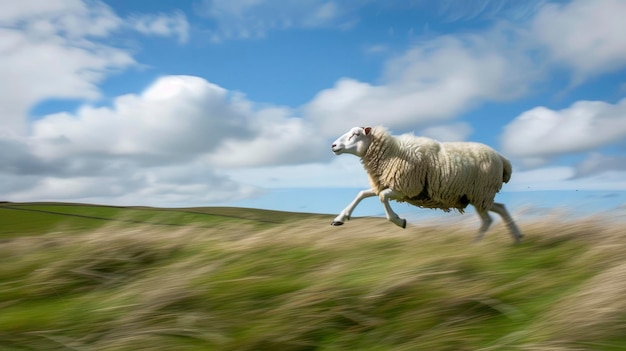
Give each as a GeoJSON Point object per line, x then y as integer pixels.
{"type": "Point", "coordinates": [355, 142]}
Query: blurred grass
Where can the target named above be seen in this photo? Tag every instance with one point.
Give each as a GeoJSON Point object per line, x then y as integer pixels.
{"type": "Point", "coordinates": [243, 279]}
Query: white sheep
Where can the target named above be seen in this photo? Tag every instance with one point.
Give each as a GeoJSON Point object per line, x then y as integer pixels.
{"type": "Point", "coordinates": [427, 173]}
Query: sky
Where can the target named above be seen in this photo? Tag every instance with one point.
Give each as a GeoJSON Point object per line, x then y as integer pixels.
{"type": "Point", "coordinates": [236, 102]}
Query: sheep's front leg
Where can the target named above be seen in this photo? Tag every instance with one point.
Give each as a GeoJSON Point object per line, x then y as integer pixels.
{"type": "Point", "coordinates": [385, 196]}
{"type": "Point", "coordinates": [347, 212]}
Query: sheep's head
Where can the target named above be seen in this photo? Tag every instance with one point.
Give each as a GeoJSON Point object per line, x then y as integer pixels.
{"type": "Point", "coordinates": [355, 142]}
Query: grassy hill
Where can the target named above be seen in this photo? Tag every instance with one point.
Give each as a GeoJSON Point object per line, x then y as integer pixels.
{"type": "Point", "coordinates": [84, 277]}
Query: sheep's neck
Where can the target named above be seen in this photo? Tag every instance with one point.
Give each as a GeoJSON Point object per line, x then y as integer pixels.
{"type": "Point", "coordinates": [376, 161]}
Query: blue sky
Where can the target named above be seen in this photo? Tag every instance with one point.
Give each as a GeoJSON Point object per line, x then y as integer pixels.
{"type": "Point", "coordinates": [236, 102]}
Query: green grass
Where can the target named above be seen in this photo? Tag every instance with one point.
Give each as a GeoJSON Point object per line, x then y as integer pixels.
{"type": "Point", "coordinates": [19, 219]}
{"type": "Point", "coordinates": [82, 277]}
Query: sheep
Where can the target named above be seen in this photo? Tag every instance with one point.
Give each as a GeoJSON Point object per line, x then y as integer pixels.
{"type": "Point", "coordinates": [427, 173]}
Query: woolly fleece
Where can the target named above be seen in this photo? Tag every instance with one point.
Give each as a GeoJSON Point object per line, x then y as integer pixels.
{"type": "Point", "coordinates": [432, 174]}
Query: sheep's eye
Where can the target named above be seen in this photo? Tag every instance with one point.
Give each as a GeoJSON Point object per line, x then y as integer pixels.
{"type": "Point", "coordinates": [353, 135]}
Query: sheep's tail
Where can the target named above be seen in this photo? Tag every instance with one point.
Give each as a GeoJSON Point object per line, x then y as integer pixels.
{"type": "Point", "coordinates": [506, 174]}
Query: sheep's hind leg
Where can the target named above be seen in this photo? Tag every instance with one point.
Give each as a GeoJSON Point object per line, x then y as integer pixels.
{"type": "Point", "coordinates": [501, 210]}
{"type": "Point", "coordinates": [384, 196]}
{"type": "Point", "coordinates": [486, 223]}
{"type": "Point", "coordinates": [347, 212]}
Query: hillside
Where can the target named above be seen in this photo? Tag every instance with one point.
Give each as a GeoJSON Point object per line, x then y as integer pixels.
{"type": "Point", "coordinates": [84, 277]}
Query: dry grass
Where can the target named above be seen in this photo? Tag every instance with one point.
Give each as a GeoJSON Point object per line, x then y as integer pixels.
{"type": "Point", "coordinates": [308, 286]}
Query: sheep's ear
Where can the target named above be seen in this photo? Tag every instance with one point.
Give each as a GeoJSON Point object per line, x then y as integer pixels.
{"type": "Point", "coordinates": [367, 130]}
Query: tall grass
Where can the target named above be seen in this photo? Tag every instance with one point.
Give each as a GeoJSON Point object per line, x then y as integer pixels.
{"type": "Point", "coordinates": [304, 285]}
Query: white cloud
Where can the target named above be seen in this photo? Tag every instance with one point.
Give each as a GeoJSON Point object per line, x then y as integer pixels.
{"type": "Point", "coordinates": [53, 36]}
{"type": "Point", "coordinates": [165, 25]}
{"type": "Point", "coordinates": [585, 35]}
{"type": "Point", "coordinates": [279, 140]}
{"type": "Point", "coordinates": [541, 133]}
{"type": "Point", "coordinates": [177, 116]}
{"type": "Point", "coordinates": [431, 82]}
{"type": "Point", "coordinates": [165, 144]}
{"type": "Point", "coordinates": [96, 176]}
{"type": "Point", "coordinates": [67, 35]}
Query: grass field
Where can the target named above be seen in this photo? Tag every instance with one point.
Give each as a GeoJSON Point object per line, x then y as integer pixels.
{"type": "Point", "coordinates": [84, 277]}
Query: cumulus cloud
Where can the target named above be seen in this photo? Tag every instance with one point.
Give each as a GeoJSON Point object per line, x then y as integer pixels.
{"type": "Point", "coordinates": [584, 35]}
{"type": "Point", "coordinates": [176, 117]}
{"type": "Point", "coordinates": [541, 133]}
{"type": "Point", "coordinates": [99, 177]}
{"type": "Point", "coordinates": [137, 151]}
{"type": "Point", "coordinates": [431, 82]}
{"type": "Point", "coordinates": [28, 54]}
{"type": "Point", "coordinates": [279, 140]}
{"type": "Point", "coordinates": [69, 36]}
{"type": "Point", "coordinates": [168, 143]}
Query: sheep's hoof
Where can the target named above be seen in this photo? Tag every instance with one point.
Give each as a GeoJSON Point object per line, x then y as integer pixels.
{"type": "Point", "coordinates": [336, 223]}
{"type": "Point", "coordinates": [404, 224]}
